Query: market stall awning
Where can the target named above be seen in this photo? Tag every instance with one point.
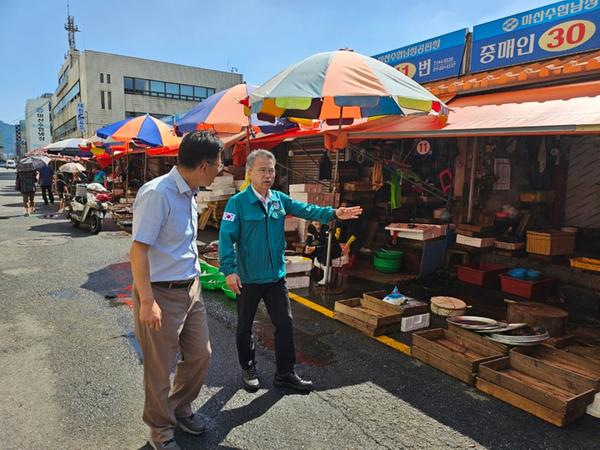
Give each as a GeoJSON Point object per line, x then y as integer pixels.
{"type": "Point", "coordinates": [564, 109]}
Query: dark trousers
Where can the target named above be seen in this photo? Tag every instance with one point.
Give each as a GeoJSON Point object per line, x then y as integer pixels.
{"type": "Point", "coordinates": [276, 300]}
{"type": "Point", "coordinates": [47, 189]}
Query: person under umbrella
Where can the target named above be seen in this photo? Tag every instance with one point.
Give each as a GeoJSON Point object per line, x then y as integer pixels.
{"type": "Point", "coordinates": [25, 184]}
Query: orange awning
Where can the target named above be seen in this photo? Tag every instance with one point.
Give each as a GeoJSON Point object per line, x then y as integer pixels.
{"type": "Point", "coordinates": [564, 109]}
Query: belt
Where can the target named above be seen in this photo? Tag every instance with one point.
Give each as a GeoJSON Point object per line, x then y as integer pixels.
{"type": "Point", "coordinates": [186, 284]}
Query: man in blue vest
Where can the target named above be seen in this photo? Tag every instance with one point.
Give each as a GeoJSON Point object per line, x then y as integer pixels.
{"type": "Point", "coordinates": [251, 251]}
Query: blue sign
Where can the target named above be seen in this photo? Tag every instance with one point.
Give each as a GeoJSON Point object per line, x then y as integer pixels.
{"type": "Point", "coordinates": [430, 60]}
{"type": "Point", "coordinates": [551, 31]}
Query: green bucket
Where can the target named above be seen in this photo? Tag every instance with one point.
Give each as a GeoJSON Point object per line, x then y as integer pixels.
{"type": "Point", "coordinates": [392, 255]}
{"type": "Point", "coordinates": [387, 265]}
{"type": "Point", "coordinates": [228, 292]}
{"type": "Point", "coordinates": [213, 281]}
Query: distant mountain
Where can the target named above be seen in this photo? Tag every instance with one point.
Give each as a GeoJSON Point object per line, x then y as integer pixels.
{"type": "Point", "coordinates": [7, 132]}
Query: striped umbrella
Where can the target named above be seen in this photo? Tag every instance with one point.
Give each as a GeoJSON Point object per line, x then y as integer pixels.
{"type": "Point", "coordinates": [223, 113]}
{"type": "Point", "coordinates": [146, 129]}
{"type": "Point", "coordinates": [341, 84]}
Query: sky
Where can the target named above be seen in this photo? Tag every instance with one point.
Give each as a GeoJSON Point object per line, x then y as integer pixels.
{"type": "Point", "coordinates": [257, 37]}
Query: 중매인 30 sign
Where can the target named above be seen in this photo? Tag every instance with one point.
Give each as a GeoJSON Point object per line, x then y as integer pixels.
{"type": "Point", "coordinates": [555, 30]}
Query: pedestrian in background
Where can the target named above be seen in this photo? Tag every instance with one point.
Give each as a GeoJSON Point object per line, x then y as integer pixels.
{"type": "Point", "coordinates": [25, 184]}
{"type": "Point", "coordinates": [46, 182]}
{"type": "Point", "coordinates": [169, 312]}
{"type": "Point", "coordinates": [251, 251]}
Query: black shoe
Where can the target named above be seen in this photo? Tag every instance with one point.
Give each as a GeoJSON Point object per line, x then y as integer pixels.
{"type": "Point", "coordinates": [292, 381]}
{"type": "Point", "coordinates": [250, 378]}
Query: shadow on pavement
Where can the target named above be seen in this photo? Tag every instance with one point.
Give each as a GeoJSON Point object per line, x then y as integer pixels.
{"type": "Point", "coordinates": [63, 228]}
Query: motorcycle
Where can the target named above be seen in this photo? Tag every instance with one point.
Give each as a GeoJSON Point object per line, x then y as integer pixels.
{"type": "Point", "coordinates": [88, 206]}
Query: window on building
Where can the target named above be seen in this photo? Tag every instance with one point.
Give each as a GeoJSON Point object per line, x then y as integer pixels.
{"type": "Point", "coordinates": [200, 93]}
{"type": "Point", "coordinates": [108, 78]}
{"type": "Point", "coordinates": [157, 88]}
{"type": "Point", "coordinates": [102, 100]}
{"type": "Point", "coordinates": [187, 92]}
{"type": "Point", "coordinates": [142, 86]}
{"type": "Point", "coordinates": [172, 90]}
{"type": "Point", "coordinates": [128, 83]}
{"type": "Point", "coordinates": [68, 127]}
{"type": "Point", "coordinates": [101, 77]}
{"type": "Point", "coordinates": [109, 99]}
{"type": "Point", "coordinates": [70, 96]}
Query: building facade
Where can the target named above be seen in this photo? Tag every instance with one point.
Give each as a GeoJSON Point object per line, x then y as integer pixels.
{"type": "Point", "coordinates": [38, 131]}
{"type": "Point", "coordinates": [96, 89]}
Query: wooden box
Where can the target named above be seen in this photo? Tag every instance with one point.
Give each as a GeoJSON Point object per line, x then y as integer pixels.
{"type": "Point", "coordinates": [411, 309]}
{"type": "Point", "coordinates": [502, 349]}
{"type": "Point", "coordinates": [551, 393]}
{"type": "Point", "coordinates": [585, 367]}
{"type": "Point", "coordinates": [550, 242]}
{"type": "Point", "coordinates": [371, 317]}
{"type": "Point", "coordinates": [475, 241]}
{"type": "Point", "coordinates": [452, 353]}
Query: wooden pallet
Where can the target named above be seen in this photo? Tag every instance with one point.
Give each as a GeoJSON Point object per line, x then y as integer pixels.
{"type": "Point", "coordinates": [584, 367]}
{"type": "Point", "coordinates": [456, 355]}
{"type": "Point", "coordinates": [372, 318]}
{"type": "Point", "coordinates": [551, 393]}
{"type": "Point", "coordinates": [412, 309]}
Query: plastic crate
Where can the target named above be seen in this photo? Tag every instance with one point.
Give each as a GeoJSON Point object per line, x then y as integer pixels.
{"type": "Point", "coordinates": [550, 242]}
{"type": "Point", "coordinates": [529, 289]}
{"type": "Point", "coordinates": [483, 274]}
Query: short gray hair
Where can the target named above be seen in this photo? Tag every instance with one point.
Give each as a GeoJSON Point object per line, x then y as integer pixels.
{"type": "Point", "coordinates": [260, 153]}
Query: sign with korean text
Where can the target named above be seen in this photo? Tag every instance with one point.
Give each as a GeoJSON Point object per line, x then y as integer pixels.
{"type": "Point", "coordinates": [80, 117]}
{"type": "Point", "coordinates": [548, 32]}
{"type": "Point", "coordinates": [430, 60]}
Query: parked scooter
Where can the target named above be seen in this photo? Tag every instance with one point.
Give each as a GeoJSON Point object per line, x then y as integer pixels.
{"type": "Point", "coordinates": [88, 206]}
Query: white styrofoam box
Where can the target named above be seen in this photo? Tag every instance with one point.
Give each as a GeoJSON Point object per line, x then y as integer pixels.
{"type": "Point", "coordinates": [297, 264]}
{"type": "Point", "coordinates": [315, 188]}
{"type": "Point", "coordinates": [224, 191]}
{"type": "Point", "coordinates": [593, 408]}
{"type": "Point", "coordinates": [416, 322]}
{"type": "Point", "coordinates": [297, 282]}
{"type": "Point", "coordinates": [223, 179]}
{"type": "Point", "coordinates": [474, 241]}
{"type": "Point", "coordinates": [238, 184]}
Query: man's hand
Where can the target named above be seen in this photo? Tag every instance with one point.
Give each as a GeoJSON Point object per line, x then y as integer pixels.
{"type": "Point", "coordinates": [234, 283]}
{"type": "Point", "coordinates": [348, 213]}
{"type": "Point", "coordinates": [150, 314]}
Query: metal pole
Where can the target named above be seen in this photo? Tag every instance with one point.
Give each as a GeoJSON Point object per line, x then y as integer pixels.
{"type": "Point", "coordinates": [126, 174]}
{"type": "Point", "coordinates": [332, 226]}
{"type": "Point", "coordinates": [472, 182]}
{"type": "Point", "coordinates": [145, 163]}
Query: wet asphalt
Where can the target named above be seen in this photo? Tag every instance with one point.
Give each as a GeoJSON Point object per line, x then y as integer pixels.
{"type": "Point", "coordinates": [70, 374]}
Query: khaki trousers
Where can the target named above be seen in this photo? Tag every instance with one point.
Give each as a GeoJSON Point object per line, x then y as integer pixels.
{"type": "Point", "coordinates": [184, 328]}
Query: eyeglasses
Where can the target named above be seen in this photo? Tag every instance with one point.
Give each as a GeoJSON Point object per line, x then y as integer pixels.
{"type": "Point", "coordinates": [219, 166]}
